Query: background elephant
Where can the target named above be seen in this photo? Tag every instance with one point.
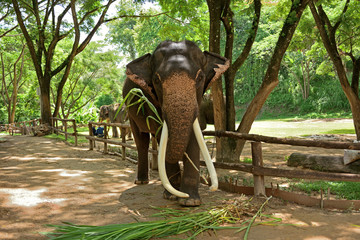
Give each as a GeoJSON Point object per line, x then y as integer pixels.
{"type": "Point", "coordinates": [174, 78]}
{"type": "Point", "coordinates": [108, 113]}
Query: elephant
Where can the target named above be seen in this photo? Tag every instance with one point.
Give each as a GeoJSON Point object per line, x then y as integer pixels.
{"type": "Point", "coordinates": [173, 78]}
{"type": "Point", "coordinates": [108, 113]}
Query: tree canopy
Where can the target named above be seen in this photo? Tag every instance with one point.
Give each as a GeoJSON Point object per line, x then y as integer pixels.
{"type": "Point", "coordinates": [306, 52]}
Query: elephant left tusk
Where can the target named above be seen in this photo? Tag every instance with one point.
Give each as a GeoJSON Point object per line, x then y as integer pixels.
{"type": "Point", "coordinates": [206, 155]}
{"type": "Point", "coordinates": [161, 164]}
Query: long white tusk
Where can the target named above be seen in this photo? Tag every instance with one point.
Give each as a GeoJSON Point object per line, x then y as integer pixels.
{"type": "Point", "coordinates": [206, 155]}
{"type": "Point", "coordinates": [161, 164]}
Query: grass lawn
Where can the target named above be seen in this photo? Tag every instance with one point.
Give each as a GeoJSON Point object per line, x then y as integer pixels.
{"type": "Point", "coordinates": [292, 128]}
{"type": "Point", "coordinates": [302, 128]}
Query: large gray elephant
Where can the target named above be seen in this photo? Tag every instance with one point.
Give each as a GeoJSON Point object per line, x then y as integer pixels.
{"type": "Point", "coordinates": [174, 78]}
{"type": "Point", "coordinates": [108, 114]}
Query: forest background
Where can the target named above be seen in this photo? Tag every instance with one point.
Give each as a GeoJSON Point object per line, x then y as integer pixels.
{"type": "Point", "coordinates": [308, 84]}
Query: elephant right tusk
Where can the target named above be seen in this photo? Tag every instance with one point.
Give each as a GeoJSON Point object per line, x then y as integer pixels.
{"type": "Point", "coordinates": [206, 155]}
{"type": "Point", "coordinates": [161, 164]}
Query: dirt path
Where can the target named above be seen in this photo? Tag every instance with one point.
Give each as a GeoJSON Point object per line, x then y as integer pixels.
{"type": "Point", "coordinates": [45, 181]}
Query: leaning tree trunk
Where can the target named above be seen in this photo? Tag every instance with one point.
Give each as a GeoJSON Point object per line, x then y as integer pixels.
{"type": "Point", "coordinates": [271, 80]}
{"type": "Point", "coordinates": [225, 116]}
{"type": "Point", "coordinates": [327, 33]}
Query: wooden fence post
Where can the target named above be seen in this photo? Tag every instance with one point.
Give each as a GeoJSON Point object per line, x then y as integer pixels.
{"type": "Point", "coordinates": [57, 126]}
{"type": "Point", "coordinates": [52, 125]}
{"type": "Point", "coordinates": [91, 146]}
{"type": "Point", "coordinates": [23, 128]}
{"type": "Point", "coordinates": [123, 140]}
{"type": "Point", "coordinates": [257, 161]}
{"type": "Point", "coordinates": [65, 125]}
{"type": "Point", "coordinates": [105, 137]}
{"type": "Point", "coordinates": [75, 132]}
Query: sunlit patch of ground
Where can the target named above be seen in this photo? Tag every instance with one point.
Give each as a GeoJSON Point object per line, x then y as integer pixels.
{"type": "Point", "coordinates": [28, 198]}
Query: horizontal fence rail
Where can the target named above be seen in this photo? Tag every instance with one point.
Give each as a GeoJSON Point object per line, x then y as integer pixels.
{"type": "Point", "coordinates": [287, 141]}
{"type": "Point", "coordinates": [124, 129]}
{"type": "Point", "coordinates": [256, 168]}
{"type": "Point", "coordinates": [259, 171]}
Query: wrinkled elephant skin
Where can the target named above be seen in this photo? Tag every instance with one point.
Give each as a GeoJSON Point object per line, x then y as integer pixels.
{"type": "Point", "coordinates": [174, 78]}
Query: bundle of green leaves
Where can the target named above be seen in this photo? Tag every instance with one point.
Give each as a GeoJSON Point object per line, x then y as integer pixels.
{"type": "Point", "coordinates": [189, 222]}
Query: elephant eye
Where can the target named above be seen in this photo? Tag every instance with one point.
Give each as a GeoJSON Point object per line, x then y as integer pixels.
{"type": "Point", "coordinates": [157, 78]}
{"type": "Point", "coordinates": [200, 77]}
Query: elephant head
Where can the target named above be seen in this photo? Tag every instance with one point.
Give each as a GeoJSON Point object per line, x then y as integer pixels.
{"type": "Point", "coordinates": [174, 78]}
{"type": "Point", "coordinates": [104, 113]}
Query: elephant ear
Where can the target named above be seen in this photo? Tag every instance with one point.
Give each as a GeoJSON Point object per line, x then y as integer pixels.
{"type": "Point", "coordinates": [215, 66]}
{"type": "Point", "coordinates": [139, 71]}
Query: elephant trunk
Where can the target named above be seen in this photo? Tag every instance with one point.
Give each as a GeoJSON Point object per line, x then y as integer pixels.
{"type": "Point", "coordinates": [179, 136]}
{"type": "Point", "coordinates": [180, 109]}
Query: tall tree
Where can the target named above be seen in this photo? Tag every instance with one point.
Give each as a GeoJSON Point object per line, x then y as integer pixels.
{"type": "Point", "coordinates": [93, 73]}
{"type": "Point", "coordinates": [219, 11]}
{"type": "Point", "coordinates": [340, 36]}
{"type": "Point", "coordinates": [270, 80]}
{"type": "Point", "coordinates": [225, 120]}
{"type": "Point", "coordinates": [47, 25]}
{"type": "Point", "coordinates": [14, 73]}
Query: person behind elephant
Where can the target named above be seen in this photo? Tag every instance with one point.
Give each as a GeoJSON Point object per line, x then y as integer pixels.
{"type": "Point", "coordinates": [110, 114]}
{"type": "Point", "coordinates": [174, 78]}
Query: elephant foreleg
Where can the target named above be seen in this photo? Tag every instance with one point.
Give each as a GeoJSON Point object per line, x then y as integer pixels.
{"type": "Point", "coordinates": [191, 176]}
{"type": "Point", "coordinates": [142, 141]}
{"type": "Point", "coordinates": [115, 132]}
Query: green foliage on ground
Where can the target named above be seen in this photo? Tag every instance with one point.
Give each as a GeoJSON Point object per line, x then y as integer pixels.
{"type": "Point", "coordinates": [70, 139]}
{"type": "Point", "coordinates": [82, 132]}
{"type": "Point", "coordinates": [189, 222]}
{"type": "Point", "coordinates": [345, 190]}
{"type": "Point", "coordinates": [340, 131]}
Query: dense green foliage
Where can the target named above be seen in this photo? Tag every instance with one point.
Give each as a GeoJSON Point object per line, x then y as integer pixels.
{"type": "Point", "coordinates": [308, 84]}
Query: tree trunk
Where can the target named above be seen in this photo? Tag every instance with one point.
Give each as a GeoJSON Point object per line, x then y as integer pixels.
{"type": "Point", "coordinates": [225, 116]}
{"type": "Point", "coordinates": [271, 80]}
{"type": "Point", "coordinates": [11, 100]}
{"type": "Point", "coordinates": [45, 102]}
{"type": "Point", "coordinates": [355, 75]}
{"type": "Point", "coordinates": [215, 11]}
{"type": "Point", "coordinates": [16, 81]}
{"type": "Point", "coordinates": [327, 33]}
{"type": "Point", "coordinates": [13, 103]}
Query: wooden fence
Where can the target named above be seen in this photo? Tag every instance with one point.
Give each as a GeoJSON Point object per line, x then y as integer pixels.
{"type": "Point", "coordinates": [124, 128]}
{"type": "Point", "coordinates": [20, 127]}
{"type": "Point", "coordinates": [56, 129]}
{"type": "Point", "coordinates": [259, 171]}
{"type": "Point", "coordinates": [256, 168]}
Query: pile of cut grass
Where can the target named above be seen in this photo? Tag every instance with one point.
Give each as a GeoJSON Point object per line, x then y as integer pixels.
{"type": "Point", "coordinates": [188, 222]}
